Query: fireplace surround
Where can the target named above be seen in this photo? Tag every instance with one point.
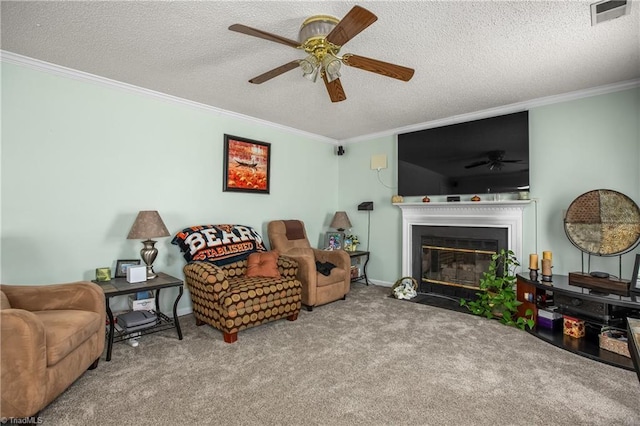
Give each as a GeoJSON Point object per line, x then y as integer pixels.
{"type": "Point", "coordinates": [476, 224]}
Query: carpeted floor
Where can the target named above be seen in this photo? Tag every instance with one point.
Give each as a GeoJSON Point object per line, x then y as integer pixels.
{"type": "Point", "coordinates": [368, 360]}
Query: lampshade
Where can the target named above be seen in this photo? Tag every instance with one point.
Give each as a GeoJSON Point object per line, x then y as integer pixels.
{"type": "Point", "coordinates": [340, 221]}
{"type": "Point", "coordinates": [310, 68]}
{"type": "Point", "coordinates": [147, 225]}
{"type": "Point", "coordinates": [331, 66]}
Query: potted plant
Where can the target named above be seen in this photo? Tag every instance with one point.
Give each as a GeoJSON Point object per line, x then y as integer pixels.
{"type": "Point", "coordinates": [497, 296]}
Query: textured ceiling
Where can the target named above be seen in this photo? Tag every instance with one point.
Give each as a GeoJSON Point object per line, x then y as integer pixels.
{"type": "Point", "coordinates": [468, 56]}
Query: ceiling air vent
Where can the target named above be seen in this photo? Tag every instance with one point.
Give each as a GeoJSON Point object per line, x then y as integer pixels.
{"type": "Point", "coordinates": [608, 10]}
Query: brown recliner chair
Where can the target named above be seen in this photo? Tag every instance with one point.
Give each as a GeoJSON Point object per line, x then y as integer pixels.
{"type": "Point", "coordinates": [50, 335]}
{"type": "Point", "coordinates": [289, 237]}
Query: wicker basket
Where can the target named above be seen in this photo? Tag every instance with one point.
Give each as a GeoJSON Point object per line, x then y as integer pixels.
{"type": "Point", "coordinates": [615, 341]}
{"type": "Point", "coordinates": [414, 283]}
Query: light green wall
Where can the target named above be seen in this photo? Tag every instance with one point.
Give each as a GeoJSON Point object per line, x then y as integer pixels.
{"type": "Point", "coordinates": [575, 147]}
{"type": "Point", "coordinates": [79, 160]}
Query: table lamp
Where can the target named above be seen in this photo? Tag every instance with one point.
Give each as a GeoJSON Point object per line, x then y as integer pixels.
{"type": "Point", "coordinates": [148, 225]}
{"type": "Point", "coordinates": [340, 221]}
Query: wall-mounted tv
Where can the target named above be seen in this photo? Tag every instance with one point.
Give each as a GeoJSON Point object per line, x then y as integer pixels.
{"type": "Point", "coordinates": [490, 155]}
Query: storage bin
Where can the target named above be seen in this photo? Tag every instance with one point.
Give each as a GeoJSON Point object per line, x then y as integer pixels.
{"type": "Point", "coordinates": [615, 341]}
{"type": "Point", "coordinates": [547, 318]}
{"type": "Point", "coordinates": [142, 301]}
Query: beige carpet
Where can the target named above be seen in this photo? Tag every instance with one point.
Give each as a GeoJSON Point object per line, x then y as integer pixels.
{"type": "Point", "coordinates": [369, 360]}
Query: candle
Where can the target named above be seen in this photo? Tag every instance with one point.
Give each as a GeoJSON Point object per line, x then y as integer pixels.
{"type": "Point", "coordinates": [546, 255]}
{"type": "Point", "coordinates": [546, 267]}
{"type": "Point", "coordinates": [533, 261]}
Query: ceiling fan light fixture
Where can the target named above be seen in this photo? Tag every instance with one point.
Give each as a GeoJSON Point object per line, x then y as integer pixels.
{"type": "Point", "coordinates": [331, 66]}
{"type": "Point", "coordinates": [310, 68]}
{"type": "Point", "coordinates": [316, 26]}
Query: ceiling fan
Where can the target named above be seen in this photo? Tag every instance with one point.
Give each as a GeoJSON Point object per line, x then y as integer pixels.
{"type": "Point", "coordinates": [495, 160]}
{"type": "Point", "coordinates": [322, 37]}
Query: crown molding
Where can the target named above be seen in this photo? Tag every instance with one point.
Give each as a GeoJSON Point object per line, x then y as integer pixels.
{"type": "Point", "coordinates": [502, 110]}
{"type": "Point", "coordinates": [38, 65]}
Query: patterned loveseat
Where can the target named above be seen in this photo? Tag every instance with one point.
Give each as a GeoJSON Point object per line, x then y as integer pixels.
{"type": "Point", "coordinates": [221, 294]}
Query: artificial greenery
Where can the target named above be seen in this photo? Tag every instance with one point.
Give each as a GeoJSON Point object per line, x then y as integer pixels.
{"type": "Point", "coordinates": [497, 298]}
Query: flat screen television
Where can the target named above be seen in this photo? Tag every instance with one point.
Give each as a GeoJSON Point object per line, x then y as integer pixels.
{"type": "Point", "coordinates": [490, 155]}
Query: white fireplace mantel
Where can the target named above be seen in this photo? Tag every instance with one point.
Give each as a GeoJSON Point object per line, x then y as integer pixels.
{"type": "Point", "coordinates": [497, 214]}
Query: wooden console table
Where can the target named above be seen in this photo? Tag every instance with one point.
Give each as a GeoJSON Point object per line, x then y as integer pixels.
{"type": "Point", "coordinates": [633, 333]}
{"type": "Point", "coordinates": [579, 302]}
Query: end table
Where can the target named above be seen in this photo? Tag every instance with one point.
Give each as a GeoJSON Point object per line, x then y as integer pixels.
{"type": "Point", "coordinates": [363, 272]}
{"type": "Point", "coordinates": [120, 287]}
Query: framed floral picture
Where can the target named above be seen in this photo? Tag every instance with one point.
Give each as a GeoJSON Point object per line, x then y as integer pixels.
{"type": "Point", "coordinates": [246, 165]}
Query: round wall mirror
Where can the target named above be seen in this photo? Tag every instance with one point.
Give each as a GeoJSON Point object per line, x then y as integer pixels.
{"type": "Point", "coordinates": [603, 223]}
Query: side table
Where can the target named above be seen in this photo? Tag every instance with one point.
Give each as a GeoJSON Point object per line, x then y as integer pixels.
{"type": "Point", "coordinates": [120, 287]}
{"type": "Point", "coordinates": [363, 272]}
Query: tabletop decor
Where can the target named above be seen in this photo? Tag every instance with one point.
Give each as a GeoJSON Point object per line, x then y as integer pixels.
{"type": "Point", "coordinates": [148, 224]}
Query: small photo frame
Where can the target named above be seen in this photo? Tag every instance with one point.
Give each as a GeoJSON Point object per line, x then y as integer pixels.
{"type": "Point", "coordinates": [123, 264]}
{"type": "Point", "coordinates": [334, 241]}
{"type": "Point", "coordinates": [348, 243]}
{"type": "Point", "coordinates": [635, 278]}
{"type": "Point", "coordinates": [247, 165]}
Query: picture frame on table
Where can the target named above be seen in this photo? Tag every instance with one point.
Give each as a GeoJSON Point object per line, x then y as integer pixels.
{"type": "Point", "coordinates": [334, 240]}
{"type": "Point", "coordinates": [635, 277]}
{"type": "Point", "coordinates": [247, 165]}
{"type": "Point", "coordinates": [122, 265]}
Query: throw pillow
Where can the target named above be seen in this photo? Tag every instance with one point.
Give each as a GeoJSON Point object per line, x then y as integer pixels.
{"type": "Point", "coordinates": [263, 264]}
{"type": "Point", "coordinates": [218, 244]}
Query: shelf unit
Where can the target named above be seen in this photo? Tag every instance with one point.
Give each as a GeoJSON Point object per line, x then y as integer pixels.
{"type": "Point", "coordinates": [614, 311]}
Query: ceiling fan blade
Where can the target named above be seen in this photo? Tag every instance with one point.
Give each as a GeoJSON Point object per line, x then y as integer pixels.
{"type": "Point", "coordinates": [378, 67]}
{"type": "Point", "coordinates": [275, 72]}
{"type": "Point", "coordinates": [476, 164]}
{"type": "Point", "coordinates": [336, 92]}
{"type": "Point", "coordinates": [263, 34]}
{"type": "Point", "coordinates": [510, 161]}
{"type": "Point", "coordinates": [356, 20]}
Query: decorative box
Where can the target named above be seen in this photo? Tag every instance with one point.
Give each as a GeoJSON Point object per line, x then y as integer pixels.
{"type": "Point", "coordinates": [142, 301]}
{"type": "Point", "coordinates": [573, 327]}
{"type": "Point", "coordinates": [615, 341]}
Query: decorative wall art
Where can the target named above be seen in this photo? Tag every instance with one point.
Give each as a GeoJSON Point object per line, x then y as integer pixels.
{"type": "Point", "coordinates": [246, 165]}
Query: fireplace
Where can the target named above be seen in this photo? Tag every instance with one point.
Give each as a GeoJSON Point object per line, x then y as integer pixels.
{"type": "Point", "coordinates": [450, 260]}
{"type": "Point", "coordinates": [447, 246]}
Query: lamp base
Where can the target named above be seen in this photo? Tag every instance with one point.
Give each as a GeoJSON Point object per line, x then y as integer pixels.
{"type": "Point", "coordinates": [148, 255]}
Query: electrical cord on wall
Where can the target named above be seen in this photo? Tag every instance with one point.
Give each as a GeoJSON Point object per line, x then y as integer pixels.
{"type": "Point", "coordinates": [384, 184]}
{"type": "Point", "coordinates": [368, 228]}
{"type": "Point", "coordinates": [535, 222]}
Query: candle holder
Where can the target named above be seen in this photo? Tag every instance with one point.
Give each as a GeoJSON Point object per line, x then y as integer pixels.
{"type": "Point", "coordinates": [547, 278]}
{"type": "Point", "coordinates": [533, 274]}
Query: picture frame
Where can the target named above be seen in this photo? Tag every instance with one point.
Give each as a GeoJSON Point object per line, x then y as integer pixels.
{"type": "Point", "coordinates": [635, 277]}
{"type": "Point", "coordinates": [122, 265]}
{"type": "Point", "coordinates": [348, 243]}
{"type": "Point", "coordinates": [334, 240]}
{"type": "Point", "coordinates": [247, 165]}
